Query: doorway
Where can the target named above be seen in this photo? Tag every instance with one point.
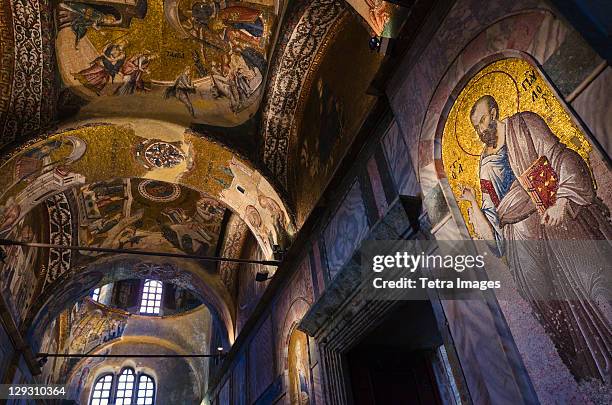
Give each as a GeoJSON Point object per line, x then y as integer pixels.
{"type": "Point", "coordinates": [397, 363]}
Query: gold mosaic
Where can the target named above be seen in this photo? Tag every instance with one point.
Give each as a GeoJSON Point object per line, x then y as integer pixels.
{"type": "Point", "coordinates": [517, 86]}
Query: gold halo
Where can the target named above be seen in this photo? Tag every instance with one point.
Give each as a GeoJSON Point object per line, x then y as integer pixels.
{"type": "Point", "coordinates": [494, 82]}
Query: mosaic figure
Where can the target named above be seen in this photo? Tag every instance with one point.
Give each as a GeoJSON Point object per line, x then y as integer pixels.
{"type": "Point", "coordinates": [534, 187]}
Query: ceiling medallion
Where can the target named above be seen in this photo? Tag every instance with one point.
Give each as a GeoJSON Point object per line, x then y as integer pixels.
{"type": "Point", "coordinates": [163, 154]}
{"type": "Point", "coordinates": [159, 191]}
{"type": "Point", "coordinates": [157, 154]}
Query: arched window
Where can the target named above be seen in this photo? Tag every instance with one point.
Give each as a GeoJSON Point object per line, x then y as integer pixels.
{"type": "Point", "coordinates": [151, 297]}
{"type": "Point", "coordinates": [146, 390]}
{"type": "Point", "coordinates": [125, 387]}
{"type": "Point", "coordinates": [102, 390]}
{"type": "Point", "coordinates": [95, 295]}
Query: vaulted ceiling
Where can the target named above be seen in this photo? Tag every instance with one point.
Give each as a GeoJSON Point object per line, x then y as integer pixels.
{"type": "Point", "coordinates": [169, 125]}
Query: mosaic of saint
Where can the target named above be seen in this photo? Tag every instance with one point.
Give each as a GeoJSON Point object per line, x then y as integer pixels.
{"type": "Point", "coordinates": [203, 58]}
{"type": "Point", "coordinates": [518, 166]}
{"type": "Point", "coordinates": [299, 370]}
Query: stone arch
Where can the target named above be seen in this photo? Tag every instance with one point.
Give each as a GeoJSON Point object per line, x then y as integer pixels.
{"type": "Point", "coordinates": [77, 384]}
{"type": "Point", "coordinates": [182, 272]}
{"type": "Point", "coordinates": [298, 308]}
{"type": "Point", "coordinates": [286, 79]}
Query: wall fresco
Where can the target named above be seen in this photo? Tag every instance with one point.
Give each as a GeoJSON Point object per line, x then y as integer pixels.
{"type": "Point", "coordinates": [346, 230]}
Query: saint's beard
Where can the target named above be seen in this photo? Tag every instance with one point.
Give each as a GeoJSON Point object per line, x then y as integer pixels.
{"type": "Point", "coordinates": [489, 134]}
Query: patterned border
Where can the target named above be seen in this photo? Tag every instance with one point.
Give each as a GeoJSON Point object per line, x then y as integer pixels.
{"type": "Point", "coordinates": [233, 245]}
{"type": "Point", "coordinates": [176, 191]}
{"type": "Point", "coordinates": [7, 57]}
{"type": "Point", "coordinates": [30, 105]}
{"type": "Point", "coordinates": [289, 73]}
{"type": "Point", "coordinates": [60, 233]}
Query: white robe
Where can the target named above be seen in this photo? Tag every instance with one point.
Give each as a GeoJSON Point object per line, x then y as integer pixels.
{"type": "Point", "coordinates": [561, 285]}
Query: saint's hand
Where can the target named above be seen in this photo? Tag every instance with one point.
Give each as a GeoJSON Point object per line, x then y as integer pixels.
{"type": "Point", "coordinates": [467, 194]}
{"type": "Point", "coordinates": [555, 214]}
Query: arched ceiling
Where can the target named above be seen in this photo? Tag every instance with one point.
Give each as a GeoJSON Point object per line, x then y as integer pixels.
{"type": "Point", "coordinates": [186, 61]}
{"type": "Point", "coordinates": [140, 124]}
{"type": "Point", "coordinates": [147, 150]}
{"type": "Point", "coordinates": [144, 185]}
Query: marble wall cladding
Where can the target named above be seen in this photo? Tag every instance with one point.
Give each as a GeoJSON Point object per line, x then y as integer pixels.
{"type": "Point", "coordinates": [317, 271]}
{"type": "Point", "coordinates": [239, 382]}
{"type": "Point", "coordinates": [261, 360]}
{"type": "Point", "coordinates": [594, 112]}
{"type": "Point", "coordinates": [378, 191]}
{"type": "Point", "coordinates": [572, 62]}
{"type": "Point", "coordinates": [317, 379]}
{"type": "Point", "coordinates": [346, 230]}
{"type": "Point", "coordinates": [224, 394]}
{"type": "Point", "coordinates": [435, 205]}
{"type": "Point", "coordinates": [400, 164]}
{"type": "Point", "coordinates": [6, 351]}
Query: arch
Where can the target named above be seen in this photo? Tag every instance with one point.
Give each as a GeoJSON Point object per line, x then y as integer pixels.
{"type": "Point", "coordinates": [124, 388]}
{"type": "Point", "coordinates": [287, 76]}
{"type": "Point", "coordinates": [185, 273]}
{"type": "Point", "coordinates": [120, 148]}
{"type": "Point", "coordinates": [472, 57]}
{"type": "Point", "coordinates": [146, 388]}
{"type": "Point", "coordinates": [296, 311]}
{"type": "Point", "coordinates": [84, 372]}
{"type": "Point", "coordinates": [102, 390]}
{"type": "Point", "coordinates": [150, 299]}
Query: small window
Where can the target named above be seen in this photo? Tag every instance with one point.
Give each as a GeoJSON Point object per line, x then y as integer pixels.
{"type": "Point", "coordinates": [151, 297]}
{"type": "Point", "coordinates": [95, 295]}
{"type": "Point", "coordinates": [125, 387]}
{"type": "Point", "coordinates": [102, 390]}
{"type": "Point", "coordinates": [146, 390]}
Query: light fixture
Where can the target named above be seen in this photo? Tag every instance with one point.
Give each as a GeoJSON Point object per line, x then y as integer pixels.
{"type": "Point", "coordinates": [375, 43]}
{"type": "Point", "coordinates": [262, 276]}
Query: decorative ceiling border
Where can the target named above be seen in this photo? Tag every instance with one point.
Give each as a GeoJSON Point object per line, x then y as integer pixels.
{"type": "Point", "coordinates": [7, 59]}
{"type": "Point", "coordinates": [30, 104]}
{"type": "Point", "coordinates": [289, 72]}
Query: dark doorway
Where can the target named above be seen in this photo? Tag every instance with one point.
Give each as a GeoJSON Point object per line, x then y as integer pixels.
{"type": "Point", "coordinates": [396, 363]}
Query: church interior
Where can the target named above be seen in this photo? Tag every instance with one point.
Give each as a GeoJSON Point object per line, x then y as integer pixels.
{"type": "Point", "coordinates": [188, 188]}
